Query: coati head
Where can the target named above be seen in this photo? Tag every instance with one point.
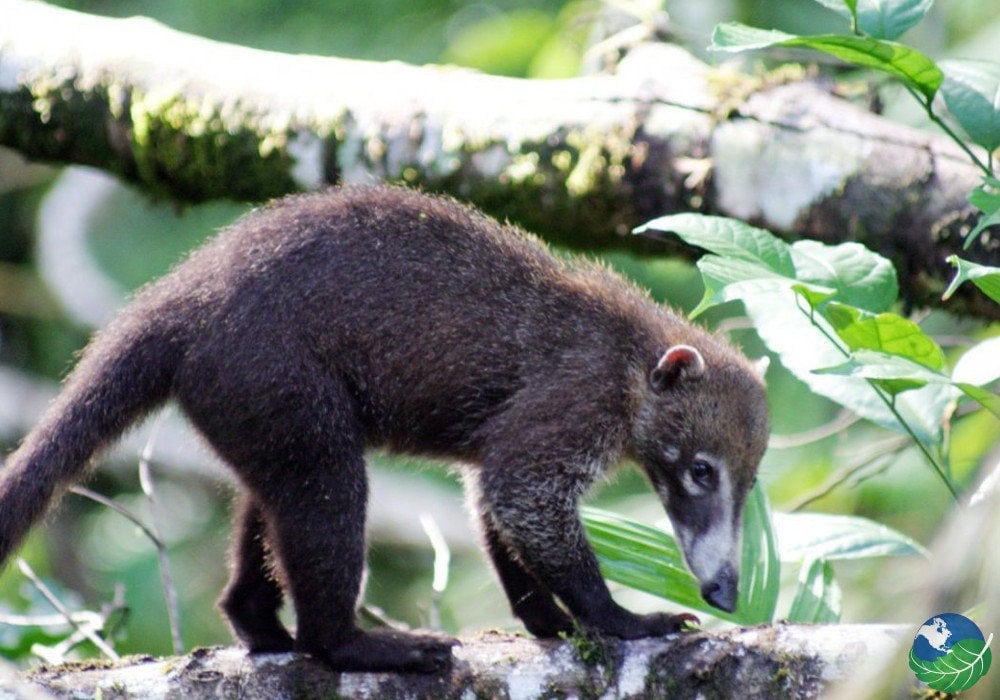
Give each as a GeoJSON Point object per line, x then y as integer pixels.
{"type": "Point", "coordinates": [700, 434]}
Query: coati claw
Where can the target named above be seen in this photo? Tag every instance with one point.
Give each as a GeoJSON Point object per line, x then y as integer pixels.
{"type": "Point", "coordinates": [686, 621]}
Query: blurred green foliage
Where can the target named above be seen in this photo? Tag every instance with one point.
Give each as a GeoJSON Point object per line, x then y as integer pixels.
{"type": "Point", "coordinates": [133, 240]}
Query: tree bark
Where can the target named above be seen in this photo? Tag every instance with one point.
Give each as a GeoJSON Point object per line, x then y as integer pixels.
{"type": "Point", "coordinates": [764, 662]}
{"type": "Point", "coordinates": [579, 161]}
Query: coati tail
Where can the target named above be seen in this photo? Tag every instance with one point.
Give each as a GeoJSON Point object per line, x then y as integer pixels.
{"type": "Point", "coordinates": [125, 372]}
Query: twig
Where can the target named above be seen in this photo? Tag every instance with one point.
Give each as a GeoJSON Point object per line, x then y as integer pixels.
{"type": "Point", "coordinates": [166, 575]}
{"type": "Point", "coordinates": [377, 616]}
{"type": "Point", "coordinates": [152, 532]}
{"type": "Point", "coordinates": [844, 419]}
{"type": "Point", "coordinates": [64, 611]}
{"type": "Point", "coordinates": [875, 458]}
{"type": "Point", "coordinates": [442, 560]}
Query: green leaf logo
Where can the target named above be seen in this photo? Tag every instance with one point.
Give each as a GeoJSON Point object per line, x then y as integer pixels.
{"type": "Point", "coordinates": [966, 663]}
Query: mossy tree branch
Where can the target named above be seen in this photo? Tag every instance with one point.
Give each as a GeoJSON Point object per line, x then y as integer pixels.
{"type": "Point", "coordinates": [784, 661]}
{"type": "Point", "coordinates": [580, 161]}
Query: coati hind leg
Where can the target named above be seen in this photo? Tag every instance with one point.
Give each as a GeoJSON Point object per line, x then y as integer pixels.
{"type": "Point", "coordinates": [253, 595]}
{"type": "Point", "coordinates": [296, 443]}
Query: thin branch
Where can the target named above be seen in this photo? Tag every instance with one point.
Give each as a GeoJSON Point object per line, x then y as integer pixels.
{"type": "Point", "coordinates": [875, 460]}
{"type": "Point", "coordinates": [64, 611]}
{"type": "Point", "coordinates": [166, 575]}
{"type": "Point", "coordinates": [442, 560]}
{"type": "Point", "coordinates": [843, 420]}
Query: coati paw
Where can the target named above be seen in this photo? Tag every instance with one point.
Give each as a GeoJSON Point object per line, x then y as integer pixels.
{"type": "Point", "coordinates": [274, 643]}
{"type": "Point", "coordinates": [386, 650]}
{"type": "Point", "coordinates": [543, 618]}
{"type": "Point", "coordinates": [659, 624]}
{"type": "Point", "coordinates": [627, 625]}
{"type": "Point", "coordinates": [549, 627]}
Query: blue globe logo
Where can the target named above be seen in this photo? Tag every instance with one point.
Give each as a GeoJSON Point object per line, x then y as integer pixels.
{"type": "Point", "coordinates": [949, 653]}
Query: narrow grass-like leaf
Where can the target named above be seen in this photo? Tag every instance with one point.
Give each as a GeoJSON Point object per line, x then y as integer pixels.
{"type": "Point", "coordinates": [642, 557]}
{"type": "Point", "coordinates": [649, 560]}
{"type": "Point", "coordinates": [760, 574]}
{"type": "Point", "coordinates": [817, 596]}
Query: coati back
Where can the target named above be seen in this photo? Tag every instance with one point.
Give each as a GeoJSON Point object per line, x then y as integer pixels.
{"type": "Point", "coordinates": [327, 323]}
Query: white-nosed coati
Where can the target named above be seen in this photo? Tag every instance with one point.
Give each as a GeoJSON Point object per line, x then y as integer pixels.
{"type": "Point", "coordinates": [326, 323]}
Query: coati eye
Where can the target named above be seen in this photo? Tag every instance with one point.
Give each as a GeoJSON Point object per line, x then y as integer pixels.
{"type": "Point", "coordinates": [703, 474]}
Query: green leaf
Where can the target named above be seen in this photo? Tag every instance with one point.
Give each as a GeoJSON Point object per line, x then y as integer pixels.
{"type": "Point", "coordinates": [845, 8]}
{"type": "Point", "coordinates": [760, 573]}
{"type": "Point", "coordinates": [987, 399]}
{"type": "Point", "coordinates": [979, 364]}
{"type": "Point", "coordinates": [858, 276]}
{"type": "Point", "coordinates": [885, 332]}
{"type": "Point", "coordinates": [736, 36]}
{"type": "Point", "coordinates": [782, 286]}
{"type": "Point", "coordinates": [985, 198]}
{"type": "Point", "coordinates": [882, 19]}
{"type": "Point", "coordinates": [729, 238]}
{"type": "Point", "coordinates": [817, 597]}
{"type": "Point", "coordinates": [743, 253]}
{"type": "Point", "coordinates": [976, 368]}
{"type": "Point", "coordinates": [728, 280]}
{"type": "Point", "coordinates": [905, 63]}
{"type": "Point", "coordinates": [893, 373]}
{"type": "Point", "coordinates": [965, 663]}
{"type": "Point", "coordinates": [649, 560]}
{"type": "Point", "coordinates": [971, 91]}
{"type": "Point", "coordinates": [985, 277]}
{"type": "Point", "coordinates": [812, 536]}
{"type": "Point", "coordinates": [642, 557]}
{"type": "Point", "coordinates": [802, 342]}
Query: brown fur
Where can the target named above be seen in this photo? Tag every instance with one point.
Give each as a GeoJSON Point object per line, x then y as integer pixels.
{"type": "Point", "coordinates": [327, 323]}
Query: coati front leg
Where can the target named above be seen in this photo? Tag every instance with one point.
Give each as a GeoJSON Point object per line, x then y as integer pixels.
{"type": "Point", "coordinates": [529, 599]}
{"type": "Point", "coordinates": [296, 444]}
{"type": "Point", "coordinates": [538, 458]}
{"type": "Point", "coordinates": [253, 595]}
{"type": "Point", "coordinates": [537, 520]}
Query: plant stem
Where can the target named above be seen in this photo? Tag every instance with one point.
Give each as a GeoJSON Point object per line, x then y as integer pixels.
{"type": "Point", "coordinates": [928, 106]}
{"type": "Point", "coordinates": [889, 401]}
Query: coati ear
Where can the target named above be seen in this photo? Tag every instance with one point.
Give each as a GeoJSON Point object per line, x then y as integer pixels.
{"type": "Point", "coordinates": [678, 361]}
{"type": "Point", "coordinates": [761, 364]}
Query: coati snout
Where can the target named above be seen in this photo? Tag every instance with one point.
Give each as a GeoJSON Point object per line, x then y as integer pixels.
{"type": "Point", "coordinates": [328, 323]}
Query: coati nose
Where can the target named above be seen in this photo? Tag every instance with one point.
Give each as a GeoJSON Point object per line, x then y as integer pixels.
{"type": "Point", "coordinates": [721, 591]}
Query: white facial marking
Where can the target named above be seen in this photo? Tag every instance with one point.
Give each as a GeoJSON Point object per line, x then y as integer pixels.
{"type": "Point", "coordinates": [709, 551]}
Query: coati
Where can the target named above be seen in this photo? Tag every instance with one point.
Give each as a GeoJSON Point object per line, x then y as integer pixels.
{"type": "Point", "coordinates": [326, 323]}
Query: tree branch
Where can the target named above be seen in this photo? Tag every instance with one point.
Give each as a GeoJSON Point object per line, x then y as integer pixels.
{"type": "Point", "coordinates": [580, 161]}
{"type": "Point", "coordinates": [783, 661]}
